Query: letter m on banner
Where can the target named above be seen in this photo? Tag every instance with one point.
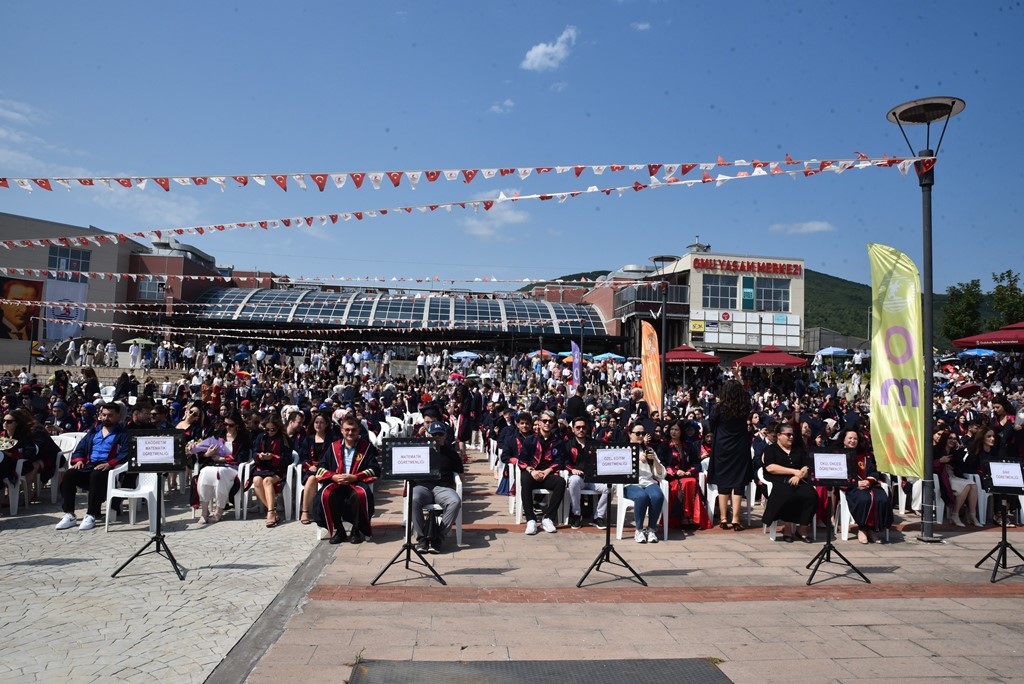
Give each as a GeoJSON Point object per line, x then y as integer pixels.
{"type": "Point", "coordinates": [897, 367]}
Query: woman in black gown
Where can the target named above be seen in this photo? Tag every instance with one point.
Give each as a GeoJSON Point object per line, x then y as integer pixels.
{"type": "Point", "coordinates": [730, 467]}
{"type": "Point", "coordinates": [793, 499]}
{"type": "Point", "coordinates": [868, 502]}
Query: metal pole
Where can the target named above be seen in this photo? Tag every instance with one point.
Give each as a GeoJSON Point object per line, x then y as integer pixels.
{"type": "Point", "coordinates": [664, 342]}
{"type": "Point", "coordinates": [32, 322]}
{"type": "Point", "coordinates": [926, 181]}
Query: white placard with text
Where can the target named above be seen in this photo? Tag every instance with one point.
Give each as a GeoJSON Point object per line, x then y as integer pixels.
{"type": "Point", "coordinates": [410, 460]}
{"type": "Point", "coordinates": [830, 467]}
{"type": "Point", "coordinates": [1007, 475]}
{"type": "Point", "coordinates": [614, 462]}
{"type": "Point", "coordinates": [155, 450]}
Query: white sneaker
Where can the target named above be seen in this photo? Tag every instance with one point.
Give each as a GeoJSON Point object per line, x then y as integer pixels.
{"type": "Point", "coordinates": [531, 527]}
{"type": "Point", "coordinates": [88, 522]}
{"type": "Point", "coordinates": [548, 526]}
{"type": "Point", "coordinates": [640, 537]}
{"type": "Point", "coordinates": [652, 536]}
{"type": "Point", "coordinates": [67, 522]}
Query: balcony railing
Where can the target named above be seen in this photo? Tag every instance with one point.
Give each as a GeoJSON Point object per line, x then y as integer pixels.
{"type": "Point", "coordinates": [628, 299]}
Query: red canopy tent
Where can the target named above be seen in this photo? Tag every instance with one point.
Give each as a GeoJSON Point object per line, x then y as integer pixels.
{"type": "Point", "coordinates": [770, 357]}
{"type": "Point", "coordinates": [1010, 337]}
{"type": "Point", "coordinates": [685, 354]}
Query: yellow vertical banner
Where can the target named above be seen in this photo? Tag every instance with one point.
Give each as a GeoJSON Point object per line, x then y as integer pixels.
{"type": "Point", "coordinates": [897, 368]}
{"type": "Point", "coordinates": [650, 375]}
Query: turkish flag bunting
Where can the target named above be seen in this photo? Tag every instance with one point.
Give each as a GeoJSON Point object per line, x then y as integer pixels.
{"type": "Point", "coordinates": [925, 165]}
{"type": "Point", "coordinates": [488, 204]}
{"type": "Point", "coordinates": [358, 178]}
{"type": "Point", "coordinates": [241, 180]}
{"type": "Point", "coordinates": [638, 186]}
{"type": "Point", "coordinates": [263, 225]}
{"type": "Point", "coordinates": [199, 229]}
{"type": "Point", "coordinates": [578, 170]}
{"type": "Point", "coordinates": [789, 160]}
{"type": "Point", "coordinates": [432, 175]}
{"type": "Point", "coordinates": [125, 182]}
{"type": "Point", "coordinates": [334, 218]}
{"type": "Point", "coordinates": [163, 183]}
{"type": "Point", "coordinates": [281, 180]}
{"type": "Point", "coordinates": [722, 162]}
{"type": "Point", "coordinates": [759, 164]}
{"type": "Point", "coordinates": [652, 169]}
{"type": "Point", "coordinates": [469, 175]}
{"type": "Point", "coordinates": [4, 183]}
{"type": "Point", "coordinates": [287, 223]}
{"type": "Point", "coordinates": [824, 165]}
{"type": "Point", "coordinates": [45, 183]}
{"type": "Point", "coordinates": [320, 179]}
{"type": "Point", "coordinates": [862, 156]}
{"type": "Point", "coordinates": [86, 181]}
{"type": "Point", "coordinates": [706, 178]}
{"type": "Point", "coordinates": [199, 180]}
{"type": "Point", "coordinates": [396, 177]}
{"type": "Point", "coordinates": [308, 220]}
{"type": "Point", "coordinates": [544, 169]}
{"type": "Point", "coordinates": [616, 167]}
{"type": "Point", "coordinates": [507, 172]}
{"type": "Point", "coordinates": [358, 215]}
{"type": "Point", "coordinates": [219, 228]}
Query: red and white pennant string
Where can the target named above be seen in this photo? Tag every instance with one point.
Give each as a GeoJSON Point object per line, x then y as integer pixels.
{"type": "Point", "coordinates": [759, 170]}
{"type": "Point", "coordinates": [381, 178]}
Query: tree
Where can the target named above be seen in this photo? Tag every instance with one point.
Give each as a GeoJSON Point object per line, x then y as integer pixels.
{"type": "Point", "coordinates": [962, 313]}
{"type": "Point", "coordinates": [1007, 299]}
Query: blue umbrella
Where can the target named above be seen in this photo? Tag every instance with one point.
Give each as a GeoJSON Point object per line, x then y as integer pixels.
{"type": "Point", "coordinates": [240, 356]}
{"type": "Point", "coordinates": [835, 351]}
{"type": "Point", "coordinates": [977, 353]}
{"type": "Point", "coordinates": [465, 355]}
{"type": "Point", "coordinates": [609, 355]}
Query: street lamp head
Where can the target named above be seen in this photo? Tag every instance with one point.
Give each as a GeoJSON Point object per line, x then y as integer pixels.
{"type": "Point", "coordinates": [926, 110]}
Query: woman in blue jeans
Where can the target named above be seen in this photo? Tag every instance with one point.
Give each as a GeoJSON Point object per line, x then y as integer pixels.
{"type": "Point", "coordinates": [648, 499]}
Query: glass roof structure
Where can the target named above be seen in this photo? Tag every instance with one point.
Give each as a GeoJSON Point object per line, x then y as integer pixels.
{"type": "Point", "coordinates": [377, 310]}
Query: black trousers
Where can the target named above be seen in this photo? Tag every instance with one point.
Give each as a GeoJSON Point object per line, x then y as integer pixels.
{"type": "Point", "coordinates": [93, 481]}
{"type": "Point", "coordinates": [553, 483]}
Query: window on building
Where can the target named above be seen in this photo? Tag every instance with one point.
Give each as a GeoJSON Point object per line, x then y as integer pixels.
{"type": "Point", "coordinates": [719, 292]}
{"type": "Point", "coordinates": [151, 289]}
{"type": "Point", "coordinates": [69, 259]}
{"type": "Point", "coordinates": [772, 294]}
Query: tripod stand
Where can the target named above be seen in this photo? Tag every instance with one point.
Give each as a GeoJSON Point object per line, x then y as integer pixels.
{"type": "Point", "coordinates": [605, 556]}
{"type": "Point", "coordinates": [1001, 548]}
{"type": "Point", "coordinates": [158, 537]}
{"type": "Point", "coordinates": [825, 555]}
{"type": "Point", "coordinates": [408, 548]}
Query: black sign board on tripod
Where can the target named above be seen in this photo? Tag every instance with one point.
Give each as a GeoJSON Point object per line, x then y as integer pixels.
{"type": "Point", "coordinates": [1002, 479]}
{"type": "Point", "coordinates": [158, 452]}
{"type": "Point", "coordinates": [409, 460]}
{"type": "Point", "coordinates": [831, 470]}
{"type": "Point", "coordinates": [612, 466]}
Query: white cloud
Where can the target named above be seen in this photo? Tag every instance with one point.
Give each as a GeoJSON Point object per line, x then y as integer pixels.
{"type": "Point", "coordinates": [503, 107]}
{"type": "Point", "coordinates": [559, 86]}
{"type": "Point", "coordinates": [802, 228]}
{"type": "Point", "coordinates": [641, 25]}
{"type": "Point", "coordinates": [17, 112]}
{"type": "Point", "coordinates": [489, 224]}
{"type": "Point", "coordinates": [545, 56]}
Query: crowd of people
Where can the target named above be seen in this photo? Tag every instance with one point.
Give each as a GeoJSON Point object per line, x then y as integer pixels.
{"type": "Point", "coordinates": [327, 406]}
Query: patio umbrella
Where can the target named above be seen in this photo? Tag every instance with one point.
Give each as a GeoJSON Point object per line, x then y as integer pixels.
{"type": "Point", "coordinates": [968, 389]}
{"type": "Point", "coordinates": [608, 355]}
{"type": "Point", "coordinates": [1008, 338]}
{"type": "Point", "coordinates": [834, 351]}
{"type": "Point", "coordinates": [141, 341]}
{"type": "Point", "coordinates": [243, 375]}
{"type": "Point", "coordinates": [544, 353]}
{"type": "Point", "coordinates": [686, 355]}
{"type": "Point", "coordinates": [770, 357]}
{"type": "Point", "coordinates": [465, 355]}
{"type": "Point", "coordinates": [240, 356]}
{"type": "Point", "coordinates": [977, 353]}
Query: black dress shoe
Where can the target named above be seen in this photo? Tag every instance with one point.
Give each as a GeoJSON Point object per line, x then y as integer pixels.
{"type": "Point", "coordinates": [422, 546]}
{"type": "Point", "coordinates": [338, 537]}
{"type": "Point", "coordinates": [357, 537]}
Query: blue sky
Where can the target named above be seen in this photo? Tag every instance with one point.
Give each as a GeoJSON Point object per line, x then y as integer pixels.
{"type": "Point", "coordinates": [216, 88]}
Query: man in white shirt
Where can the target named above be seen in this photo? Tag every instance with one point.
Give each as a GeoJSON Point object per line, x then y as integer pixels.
{"type": "Point", "coordinates": [69, 358]}
{"type": "Point", "coordinates": [134, 352]}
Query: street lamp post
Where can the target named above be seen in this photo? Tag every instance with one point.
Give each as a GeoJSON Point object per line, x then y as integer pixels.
{"type": "Point", "coordinates": [660, 261]}
{"type": "Point", "coordinates": [927, 111]}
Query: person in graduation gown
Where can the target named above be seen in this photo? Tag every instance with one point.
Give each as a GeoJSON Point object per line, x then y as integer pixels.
{"type": "Point", "coordinates": [346, 475]}
{"type": "Point", "coordinates": [730, 468]}
{"type": "Point", "coordinates": [869, 503]}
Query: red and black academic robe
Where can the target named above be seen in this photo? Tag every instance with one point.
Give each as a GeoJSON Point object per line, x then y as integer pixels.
{"type": "Point", "coordinates": [870, 508]}
{"type": "Point", "coordinates": [353, 503]}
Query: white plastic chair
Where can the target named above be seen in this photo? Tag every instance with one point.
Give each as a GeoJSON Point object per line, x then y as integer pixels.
{"type": "Point", "coordinates": [712, 493]}
{"type": "Point", "coordinates": [593, 493]}
{"type": "Point", "coordinates": [915, 492]}
{"type": "Point", "coordinates": [843, 519]}
{"type": "Point", "coordinates": [145, 489]}
{"type": "Point", "coordinates": [983, 497]}
{"type": "Point", "coordinates": [940, 505]}
{"type": "Point", "coordinates": [17, 489]}
{"type": "Point", "coordinates": [321, 531]}
{"type": "Point", "coordinates": [458, 520]}
{"type": "Point", "coordinates": [66, 442]}
{"type": "Point", "coordinates": [623, 503]}
{"type": "Point", "coordinates": [518, 499]}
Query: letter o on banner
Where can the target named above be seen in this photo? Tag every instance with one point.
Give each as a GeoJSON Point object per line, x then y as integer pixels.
{"type": "Point", "coordinates": [905, 334]}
